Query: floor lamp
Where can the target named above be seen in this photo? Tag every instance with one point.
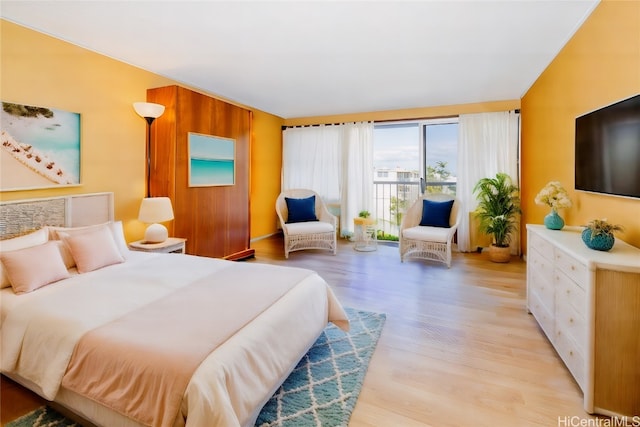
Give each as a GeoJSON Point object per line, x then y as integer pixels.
{"type": "Point", "coordinates": [149, 111]}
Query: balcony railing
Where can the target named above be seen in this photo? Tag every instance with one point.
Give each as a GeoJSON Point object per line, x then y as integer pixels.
{"type": "Point", "coordinates": [393, 198]}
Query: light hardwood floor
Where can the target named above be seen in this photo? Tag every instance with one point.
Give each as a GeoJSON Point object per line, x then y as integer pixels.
{"type": "Point", "coordinates": [458, 347]}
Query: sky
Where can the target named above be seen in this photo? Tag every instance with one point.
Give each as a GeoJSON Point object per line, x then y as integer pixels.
{"type": "Point", "coordinates": [399, 146]}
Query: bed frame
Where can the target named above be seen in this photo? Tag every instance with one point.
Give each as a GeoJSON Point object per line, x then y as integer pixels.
{"type": "Point", "coordinates": [22, 216]}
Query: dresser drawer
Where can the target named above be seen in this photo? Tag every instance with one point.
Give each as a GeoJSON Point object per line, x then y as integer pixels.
{"type": "Point", "coordinates": [571, 267]}
{"type": "Point", "coordinates": [572, 325]}
{"type": "Point", "coordinates": [543, 288]}
{"type": "Point", "coordinates": [541, 245]}
{"type": "Point", "coordinates": [542, 315]}
{"type": "Point", "coordinates": [541, 266]}
{"type": "Point", "coordinates": [569, 293]}
{"type": "Point", "coordinates": [571, 355]}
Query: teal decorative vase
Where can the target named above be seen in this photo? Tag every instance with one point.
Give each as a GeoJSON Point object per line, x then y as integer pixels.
{"type": "Point", "coordinates": [553, 221]}
{"type": "Point", "coordinates": [599, 242]}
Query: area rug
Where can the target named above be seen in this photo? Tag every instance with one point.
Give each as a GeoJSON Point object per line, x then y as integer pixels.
{"type": "Point", "coordinates": [320, 392]}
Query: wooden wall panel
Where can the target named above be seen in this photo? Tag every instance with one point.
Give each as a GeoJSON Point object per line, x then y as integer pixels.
{"type": "Point", "coordinates": [214, 220]}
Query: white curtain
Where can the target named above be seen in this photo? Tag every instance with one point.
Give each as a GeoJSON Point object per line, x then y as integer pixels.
{"type": "Point", "coordinates": [336, 161]}
{"type": "Point", "coordinates": [488, 143]}
{"type": "Point", "coordinates": [312, 159]}
{"type": "Point", "coordinates": [357, 173]}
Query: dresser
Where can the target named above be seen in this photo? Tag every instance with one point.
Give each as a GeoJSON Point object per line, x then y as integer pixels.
{"type": "Point", "coordinates": [587, 303]}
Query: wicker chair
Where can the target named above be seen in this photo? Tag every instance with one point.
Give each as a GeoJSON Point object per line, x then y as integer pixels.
{"type": "Point", "coordinates": [426, 242]}
{"type": "Point", "coordinates": [321, 234]}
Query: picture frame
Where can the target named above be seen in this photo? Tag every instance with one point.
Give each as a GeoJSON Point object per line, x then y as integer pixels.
{"type": "Point", "coordinates": [211, 160]}
{"type": "Point", "coordinates": [40, 147]}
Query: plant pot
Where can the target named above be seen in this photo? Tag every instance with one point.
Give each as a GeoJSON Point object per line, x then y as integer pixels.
{"type": "Point", "coordinates": [599, 242]}
{"type": "Point", "coordinates": [499, 254]}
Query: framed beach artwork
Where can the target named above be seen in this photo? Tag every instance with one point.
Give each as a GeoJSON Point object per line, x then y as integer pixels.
{"type": "Point", "coordinates": [40, 147]}
{"type": "Point", "coordinates": [211, 160]}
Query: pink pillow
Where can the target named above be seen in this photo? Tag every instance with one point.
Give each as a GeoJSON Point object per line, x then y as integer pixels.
{"type": "Point", "coordinates": [115, 227]}
{"type": "Point", "coordinates": [69, 262]}
{"type": "Point", "coordinates": [35, 238]}
{"type": "Point", "coordinates": [93, 250]}
{"type": "Point", "coordinates": [32, 268]}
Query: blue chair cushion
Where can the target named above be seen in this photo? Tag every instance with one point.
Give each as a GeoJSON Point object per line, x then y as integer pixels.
{"type": "Point", "coordinates": [436, 214]}
{"type": "Point", "coordinates": [301, 210]}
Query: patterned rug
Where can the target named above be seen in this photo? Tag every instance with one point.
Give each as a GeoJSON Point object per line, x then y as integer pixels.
{"type": "Point", "coordinates": [321, 391]}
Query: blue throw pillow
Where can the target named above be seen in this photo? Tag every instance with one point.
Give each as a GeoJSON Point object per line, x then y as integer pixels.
{"type": "Point", "coordinates": [301, 210]}
{"type": "Point", "coordinates": [436, 214]}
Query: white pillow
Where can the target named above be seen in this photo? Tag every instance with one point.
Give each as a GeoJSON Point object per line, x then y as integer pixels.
{"type": "Point", "coordinates": [34, 267]}
{"type": "Point", "coordinates": [36, 238]}
{"type": "Point", "coordinates": [92, 249]}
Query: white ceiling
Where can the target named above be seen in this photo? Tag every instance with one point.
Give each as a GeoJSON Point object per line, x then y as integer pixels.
{"type": "Point", "coordinates": [310, 58]}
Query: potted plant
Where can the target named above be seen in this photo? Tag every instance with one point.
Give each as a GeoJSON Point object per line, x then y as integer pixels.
{"type": "Point", "coordinates": [598, 234]}
{"type": "Point", "coordinates": [364, 218]}
{"type": "Point", "coordinates": [498, 207]}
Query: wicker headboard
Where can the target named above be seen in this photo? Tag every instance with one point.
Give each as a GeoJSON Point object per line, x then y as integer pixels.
{"type": "Point", "coordinates": [22, 216]}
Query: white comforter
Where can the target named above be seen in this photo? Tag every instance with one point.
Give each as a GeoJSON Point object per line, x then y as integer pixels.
{"type": "Point", "coordinates": [40, 330]}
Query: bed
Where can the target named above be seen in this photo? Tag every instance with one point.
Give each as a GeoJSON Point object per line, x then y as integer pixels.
{"type": "Point", "coordinates": [131, 338]}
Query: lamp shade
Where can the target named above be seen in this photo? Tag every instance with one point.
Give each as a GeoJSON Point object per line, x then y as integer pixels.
{"type": "Point", "coordinates": [155, 209]}
{"type": "Point", "coordinates": [148, 109]}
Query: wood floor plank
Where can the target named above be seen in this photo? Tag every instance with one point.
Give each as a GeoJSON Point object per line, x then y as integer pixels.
{"type": "Point", "coordinates": [458, 347]}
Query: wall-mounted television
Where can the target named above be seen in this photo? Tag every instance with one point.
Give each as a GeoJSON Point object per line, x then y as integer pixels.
{"type": "Point", "coordinates": [607, 149]}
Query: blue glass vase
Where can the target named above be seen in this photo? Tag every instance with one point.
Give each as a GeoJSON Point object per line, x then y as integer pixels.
{"type": "Point", "coordinates": [553, 221]}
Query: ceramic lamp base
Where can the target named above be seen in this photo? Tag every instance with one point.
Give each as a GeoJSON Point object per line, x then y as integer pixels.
{"type": "Point", "coordinates": [156, 233]}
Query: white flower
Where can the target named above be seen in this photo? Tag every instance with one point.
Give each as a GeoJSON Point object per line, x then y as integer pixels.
{"type": "Point", "coordinates": [554, 196]}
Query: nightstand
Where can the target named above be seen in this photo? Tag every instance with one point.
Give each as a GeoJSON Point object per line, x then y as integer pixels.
{"type": "Point", "coordinates": [173, 245]}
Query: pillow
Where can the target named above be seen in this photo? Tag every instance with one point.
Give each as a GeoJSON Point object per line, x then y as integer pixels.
{"type": "Point", "coordinates": [92, 249]}
{"type": "Point", "coordinates": [301, 210]}
{"type": "Point", "coordinates": [436, 214]}
{"type": "Point", "coordinates": [32, 268]}
{"type": "Point", "coordinates": [36, 238]}
{"type": "Point", "coordinates": [114, 227]}
{"type": "Point", "coordinates": [67, 258]}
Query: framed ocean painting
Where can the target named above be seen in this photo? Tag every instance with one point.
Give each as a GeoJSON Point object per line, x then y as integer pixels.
{"type": "Point", "coordinates": [211, 160]}
{"type": "Point", "coordinates": [40, 147]}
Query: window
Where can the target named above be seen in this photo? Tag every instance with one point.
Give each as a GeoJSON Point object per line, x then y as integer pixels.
{"type": "Point", "coordinates": [403, 153]}
{"type": "Point", "coordinates": [440, 145]}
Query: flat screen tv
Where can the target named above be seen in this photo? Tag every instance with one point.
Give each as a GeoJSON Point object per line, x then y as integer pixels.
{"type": "Point", "coordinates": [608, 149]}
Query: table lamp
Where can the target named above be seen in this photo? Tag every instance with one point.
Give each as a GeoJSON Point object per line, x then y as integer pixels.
{"type": "Point", "coordinates": [154, 210]}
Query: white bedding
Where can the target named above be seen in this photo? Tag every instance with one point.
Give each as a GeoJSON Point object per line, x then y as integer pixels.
{"type": "Point", "coordinates": [40, 330]}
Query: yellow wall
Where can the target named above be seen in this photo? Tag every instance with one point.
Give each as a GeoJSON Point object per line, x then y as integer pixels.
{"type": "Point", "coordinates": [40, 70]}
{"type": "Point", "coordinates": [598, 66]}
{"type": "Point", "coordinates": [266, 163]}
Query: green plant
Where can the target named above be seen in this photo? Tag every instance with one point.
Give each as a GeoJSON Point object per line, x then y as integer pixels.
{"type": "Point", "coordinates": [498, 207]}
{"type": "Point", "coordinates": [364, 214]}
{"type": "Point", "coordinates": [602, 227]}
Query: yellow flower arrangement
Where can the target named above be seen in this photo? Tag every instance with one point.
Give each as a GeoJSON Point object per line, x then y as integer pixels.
{"type": "Point", "coordinates": [554, 196]}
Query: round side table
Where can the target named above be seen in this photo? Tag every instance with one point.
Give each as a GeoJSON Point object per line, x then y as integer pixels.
{"type": "Point", "coordinates": [365, 234]}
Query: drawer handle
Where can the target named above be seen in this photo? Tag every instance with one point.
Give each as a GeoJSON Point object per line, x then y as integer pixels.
{"type": "Point", "coordinates": [570, 320]}
{"type": "Point", "coordinates": [573, 267]}
{"type": "Point", "coordinates": [570, 353]}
